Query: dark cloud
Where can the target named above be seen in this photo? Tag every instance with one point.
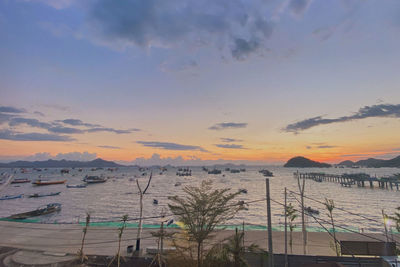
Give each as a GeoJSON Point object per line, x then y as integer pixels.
{"type": "Point", "coordinates": [31, 122]}
{"type": "Point", "coordinates": [230, 146]}
{"type": "Point", "coordinates": [111, 130]}
{"type": "Point", "coordinates": [76, 122]}
{"type": "Point", "coordinates": [242, 48]}
{"type": "Point", "coordinates": [230, 140]}
{"type": "Point", "coordinates": [65, 130]}
{"type": "Point", "coordinates": [225, 23]}
{"type": "Point", "coordinates": [170, 146]}
{"type": "Point", "coordinates": [374, 111]}
{"type": "Point", "coordinates": [7, 109]}
{"type": "Point", "coordinates": [321, 147]}
{"type": "Point", "coordinates": [15, 136]}
{"type": "Point", "coordinates": [110, 147]}
{"type": "Point", "coordinates": [228, 125]}
{"type": "Point", "coordinates": [298, 7]}
{"type": "Point", "coordinates": [5, 117]}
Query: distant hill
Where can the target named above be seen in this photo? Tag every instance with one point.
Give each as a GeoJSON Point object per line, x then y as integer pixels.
{"type": "Point", "coordinates": [60, 164]}
{"type": "Point", "coordinates": [373, 163]}
{"type": "Point", "coordinates": [302, 162]}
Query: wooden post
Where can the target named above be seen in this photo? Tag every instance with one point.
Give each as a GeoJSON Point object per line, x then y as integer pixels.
{"type": "Point", "coordinates": [269, 226]}
{"type": "Point", "coordinates": [286, 256]}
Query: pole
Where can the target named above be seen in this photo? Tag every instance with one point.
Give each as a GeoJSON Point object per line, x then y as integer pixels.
{"type": "Point", "coordinates": [161, 243]}
{"type": "Point", "coordinates": [270, 250]}
{"type": "Point", "coordinates": [286, 256]}
{"type": "Point", "coordinates": [303, 226]}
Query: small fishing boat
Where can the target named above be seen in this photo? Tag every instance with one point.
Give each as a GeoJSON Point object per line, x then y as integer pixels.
{"type": "Point", "coordinates": [43, 210]}
{"type": "Point", "coordinates": [215, 171]}
{"type": "Point", "coordinates": [94, 179]}
{"type": "Point", "coordinates": [76, 186]}
{"type": "Point", "coordinates": [45, 195]}
{"type": "Point", "coordinates": [11, 197]}
{"type": "Point", "coordinates": [42, 182]}
{"type": "Point", "coordinates": [178, 183]}
{"type": "Point", "coordinates": [155, 201]}
{"type": "Point", "coordinates": [311, 211]}
{"type": "Point", "coordinates": [20, 181]}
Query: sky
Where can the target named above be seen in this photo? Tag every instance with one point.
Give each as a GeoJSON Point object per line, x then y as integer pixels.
{"type": "Point", "coordinates": [199, 81]}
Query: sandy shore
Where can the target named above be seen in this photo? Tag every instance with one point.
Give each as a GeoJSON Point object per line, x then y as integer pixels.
{"type": "Point", "coordinates": [104, 240]}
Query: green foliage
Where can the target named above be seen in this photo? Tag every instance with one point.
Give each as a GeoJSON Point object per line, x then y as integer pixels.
{"type": "Point", "coordinates": [201, 210]}
{"type": "Point", "coordinates": [330, 205]}
{"type": "Point", "coordinates": [291, 214]}
{"type": "Point", "coordinates": [396, 218]}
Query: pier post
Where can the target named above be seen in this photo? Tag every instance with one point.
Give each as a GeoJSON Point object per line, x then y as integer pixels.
{"type": "Point", "coordinates": [269, 226]}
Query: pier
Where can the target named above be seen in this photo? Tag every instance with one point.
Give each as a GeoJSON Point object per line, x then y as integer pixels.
{"type": "Point", "coordinates": [348, 180]}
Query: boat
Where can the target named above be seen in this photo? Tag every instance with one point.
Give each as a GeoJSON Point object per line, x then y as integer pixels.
{"type": "Point", "coordinates": [64, 171]}
{"type": "Point", "coordinates": [178, 183]}
{"type": "Point", "coordinates": [243, 191]}
{"type": "Point", "coordinates": [312, 211]}
{"type": "Point", "coordinates": [266, 173]}
{"type": "Point", "coordinates": [11, 197]}
{"type": "Point", "coordinates": [20, 181]}
{"type": "Point", "coordinates": [45, 195]}
{"type": "Point", "coordinates": [41, 182]}
{"type": "Point", "coordinates": [215, 171]}
{"type": "Point", "coordinates": [235, 171]}
{"type": "Point", "coordinates": [155, 201]}
{"type": "Point", "coordinates": [76, 186]}
{"type": "Point", "coordinates": [43, 210]}
{"type": "Point", "coordinates": [94, 179]}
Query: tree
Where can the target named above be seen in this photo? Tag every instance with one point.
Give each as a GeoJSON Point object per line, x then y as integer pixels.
{"type": "Point", "coordinates": [396, 218]}
{"type": "Point", "coordinates": [291, 214]}
{"type": "Point", "coordinates": [201, 210]}
{"type": "Point", "coordinates": [330, 205]}
{"type": "Point", "coordinates": [141, 194]}
{"type": "Point", "coordinates": [80, 251]}
{"type": "Point", "coordinates": [120, 232]}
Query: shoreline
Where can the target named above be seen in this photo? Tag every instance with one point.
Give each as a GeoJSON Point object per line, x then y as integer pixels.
{"type": "Point", "coordinates": [66, 238]}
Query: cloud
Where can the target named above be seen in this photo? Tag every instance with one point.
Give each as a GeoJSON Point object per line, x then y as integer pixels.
{"type": "Point", "coordinates": [239, 25]}
{"type": "Point", "coordinates": [39, 113]}
{"type": "Point", "coordinates": [110, 147]}
{"type": "Point", "coordinates": [111, 130]}
{"type": "Point", "coordinates": [243, 48]}
{"type": "Point", "coordinates": [15, 136]}
{"type": "Point", "coordinates": [65, 130]}
{"type": "Point", "coordinates": [227, 125]}
{"type": "Point", "coordinates": [31, 122]}
{"type": "Point", "coordinates": [80, 156]}
{"type": "Point", "coordinates": [230, 140]}
{"type": "Point", "coordinates": [230, 146]}
{"type": "Point", "coordinates": [299, 7]}
{"type": "Point", "coordinates": [5, 117]}
{"type": "Point", "coordinates": [76, 122]}
{"type": "Point", "coordinates": [170, 146]}
{"type": "Point", "coordinates": [374, 111]}
{"type": "Point", "coordinates": [7, 109]}
{"type": "Point", "coordinates": [321, 147]}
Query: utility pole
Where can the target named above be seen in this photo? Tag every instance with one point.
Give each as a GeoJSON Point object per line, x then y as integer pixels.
{"type": "Point", "coordinates": [286, 256]}
{"type": "Point", "coordinates": [269, 226]}
{"type": "Point", "coordinates": [303, 226]}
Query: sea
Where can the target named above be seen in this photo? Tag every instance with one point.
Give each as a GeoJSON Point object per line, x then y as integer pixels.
{"type": "Point", "coordinates": [356, 209]}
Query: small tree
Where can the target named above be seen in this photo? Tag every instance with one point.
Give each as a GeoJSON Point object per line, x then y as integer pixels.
{"type": "Point", "coordinates": [120, 232]}
{"type": "Point", "coordinates": [141, 194]}
{"type": "Point", "coordinates": [330, 205]}
{"type": "Point", "coordinates": [201, 210]}
{"type": "Point", "coordinates": [291, 214]}
{"type": "Point", "coordinates": [80, 251]}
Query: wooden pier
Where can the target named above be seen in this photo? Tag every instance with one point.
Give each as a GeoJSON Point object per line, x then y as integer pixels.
{"type": "Point", "coordinates": [348, 180]}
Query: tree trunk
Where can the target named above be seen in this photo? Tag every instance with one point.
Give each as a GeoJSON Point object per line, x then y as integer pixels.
{"type": "Point", "coordinates": [199, 254]}
{"type": "Point", "coordinates": [139, 233]}
{"type": "Point", "coordinates": [334, 237]}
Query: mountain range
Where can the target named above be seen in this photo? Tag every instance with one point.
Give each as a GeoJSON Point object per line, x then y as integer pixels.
{"type": "Point", "coordinates": [372, 163]}
{"type": "Point", "coordinates": [60, 164]}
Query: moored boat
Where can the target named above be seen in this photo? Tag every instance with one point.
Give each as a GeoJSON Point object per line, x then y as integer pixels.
{"type": "Point", "coordinates": [20, 181]}
{"type": "Point", "coordinates": [312, 211]}
{"type": "Point", "coordinates": [11, 197]}
{"type": "Point", "coordinates": [42, 182]}
{"type": "Point", "coordinates": [45, 195]}
{"type": "Point", "coordinates": [47, 209]}
{"type": "Point", "coordinates": [94, 179]}
{"type": "Point", "coordinates": [76, 186]}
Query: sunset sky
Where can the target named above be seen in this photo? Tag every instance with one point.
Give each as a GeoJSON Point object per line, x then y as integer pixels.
{"type": "Point", "coordinates": [154, 81]}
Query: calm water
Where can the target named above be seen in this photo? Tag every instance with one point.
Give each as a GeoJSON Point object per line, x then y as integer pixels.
{"type": "Point", "coordinates": [118, 196]}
